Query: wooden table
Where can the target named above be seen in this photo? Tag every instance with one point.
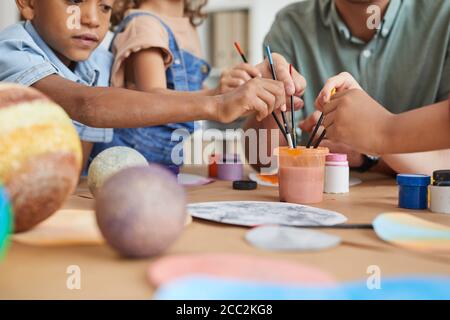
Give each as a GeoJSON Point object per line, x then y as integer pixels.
{"type": "Point", "coordinates": [40, 272]}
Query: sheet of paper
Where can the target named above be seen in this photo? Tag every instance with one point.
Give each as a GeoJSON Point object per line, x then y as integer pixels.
{"type": "Point", "coordinates": [272, 180]}
{"type": "Point", "coordinates": [254, 213]}
{"type": "Point", "coordinates": [413, 233]}
{"type": "Point", "coordinates": [67, 228]}
{"type": "Point", "coordinates": [278, 238]}
{"type": "Point", "coordinates": [354, 181]}
{"type": "Point", "coordinates": [210, 288]}
{"type": "Point", "coordinates": [235, 266]}
{"type": "Point", "coordinates": [64, 228]}
{"type": "Point", "coordinates": [193, 180]}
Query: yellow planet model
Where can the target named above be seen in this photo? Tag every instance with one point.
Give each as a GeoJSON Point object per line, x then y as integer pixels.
{"type": "Point", "coordinates": [40, 154]}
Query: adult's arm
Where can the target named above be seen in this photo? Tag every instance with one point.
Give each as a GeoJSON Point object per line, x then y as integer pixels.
{"type": "Point", "coordinates": [418, 163]}
{"type": "Point", "coordinates": [423, 129]}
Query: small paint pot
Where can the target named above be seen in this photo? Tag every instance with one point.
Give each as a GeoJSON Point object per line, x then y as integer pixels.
{"type": "Point", "coordinates": [440, 192]}
{"type": "Point", "coordinates": [230, 168]}
{"type": "Point", "coordinates": [413, 191]}
{"type": "Point", "coordinates": [337, 174]}
{"type": "Point", "coordinates": [301, 174]}
{"type": "Point", "coordinates": [212, 165]}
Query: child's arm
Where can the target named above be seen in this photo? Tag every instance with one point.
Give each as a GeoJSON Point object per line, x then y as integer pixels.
{"type": "Point", "coordinates": [148, 69]}
{"type": "Point", "coordinates": [141, 62]}
{"type": "Point", "coordinates": [122, 108]}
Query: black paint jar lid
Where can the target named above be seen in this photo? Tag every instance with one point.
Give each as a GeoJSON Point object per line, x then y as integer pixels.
{"type": "Point", "coordinates": [244, 185]}
{"type": "Point", "coordinates": [441, 177]}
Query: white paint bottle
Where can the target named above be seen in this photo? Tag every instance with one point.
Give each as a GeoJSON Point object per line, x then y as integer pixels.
{"type": "Point", "coordinates": [337, 174]}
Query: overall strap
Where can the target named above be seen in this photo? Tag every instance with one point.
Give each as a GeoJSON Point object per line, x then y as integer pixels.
{"type": "Point", "coordinates": [178, 69]}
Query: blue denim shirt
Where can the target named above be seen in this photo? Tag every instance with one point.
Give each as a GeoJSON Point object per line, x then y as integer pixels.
{"type": "Point", "coordinates": [25, 59]}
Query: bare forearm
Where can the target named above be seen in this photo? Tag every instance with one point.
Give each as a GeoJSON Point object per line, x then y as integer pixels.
{"type": "Point", "coordinates": [422, 129]}
{"type": "Point", "coordinates": [209, 92]}
{"type": "Point", "coordinates": [418, 163]}
{"type": "Point", "coordinates": [121, 108]}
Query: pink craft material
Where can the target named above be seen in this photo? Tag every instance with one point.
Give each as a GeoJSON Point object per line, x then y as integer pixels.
{"type": "Point", "coordinates": [335, 157]}
{"type": "Point", "coordinates": [230, 168]}
{"type": "Point", "coordinates": [237, 267]}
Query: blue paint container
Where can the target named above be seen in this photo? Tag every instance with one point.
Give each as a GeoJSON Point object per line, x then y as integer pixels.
{"type": "Point", "coordinates": [413, 191]}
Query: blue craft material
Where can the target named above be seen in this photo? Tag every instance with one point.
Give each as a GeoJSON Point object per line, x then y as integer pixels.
{"type": "Point", "coordinates": [5, 220]}
{"type": "Point", "coordinates": [398, 288]}
{"type": "Point", "coordinates": [413, 191]}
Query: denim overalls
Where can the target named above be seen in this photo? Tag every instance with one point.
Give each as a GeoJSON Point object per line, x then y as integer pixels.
{"type": "Point", "coordinates": [187, 73]}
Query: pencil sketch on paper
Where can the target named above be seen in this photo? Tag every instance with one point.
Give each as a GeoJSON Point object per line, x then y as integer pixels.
{"type": "Point", "coordinates": [255, 213]}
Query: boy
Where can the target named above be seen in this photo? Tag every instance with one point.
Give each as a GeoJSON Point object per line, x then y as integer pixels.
{"type": "Point", "coordinates": [64, 62]}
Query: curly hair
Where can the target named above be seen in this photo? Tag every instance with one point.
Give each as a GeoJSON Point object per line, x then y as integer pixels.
{"type": "Point", "coordinates": [192, 10]}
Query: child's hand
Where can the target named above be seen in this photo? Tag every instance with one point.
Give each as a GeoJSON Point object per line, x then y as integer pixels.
{"type": "Point", "coordinates": [236, 77]}
{"type": "Point", "coordinates": [354, 118]}
{"type": "Point", "coordinates": [294, 85]}
{"type": "Point", "coordinates": [341, 82]}
{"type": "Point", "coordinates": [262, 96]}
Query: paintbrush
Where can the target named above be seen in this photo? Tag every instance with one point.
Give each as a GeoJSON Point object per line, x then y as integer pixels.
{"type": "Point", "coordinates": [283, 114]}
{"type": "Point", "coordinates": [294, 134]}
{"type": "Point", "coordinates": [241, 52]}
{"type": "Point", "coordinates": [316, 128]}
{"type": "Point", "coordinates": [339, 226]}
{"type": "Point", "coordinates": [322, 136]}
{"type": "Point", "coordinates": [244, 58]}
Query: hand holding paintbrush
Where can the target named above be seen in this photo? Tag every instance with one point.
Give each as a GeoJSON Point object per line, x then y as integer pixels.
{"type": "Point", "coordinates": [316, 128]}
{"type": "Point", "coordinates": [282, 128]}
{"type": "Point", "coordinates": [343, 81]}
{"type": "Point", "coordinates": [294, 85]}
{"type": "Point", "coordinates": [294, 134]}
{"type": "Point", "coordinates": [288, 135]}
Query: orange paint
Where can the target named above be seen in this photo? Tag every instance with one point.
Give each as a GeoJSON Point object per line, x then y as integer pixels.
{"type": "Point", "coordinates": [272, 179]}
